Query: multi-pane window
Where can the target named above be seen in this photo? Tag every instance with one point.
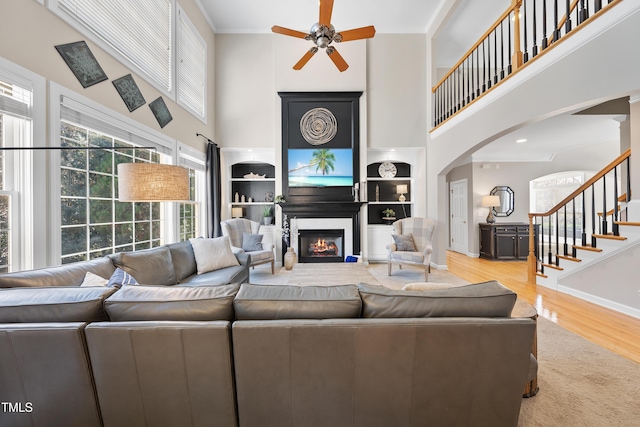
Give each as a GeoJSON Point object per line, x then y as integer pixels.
{"type": "Point", "coordinates": [5, 230]}
{"type": "Point", "coordinates": [189, 211]}
{"type": "Point", "coordinates": [93, 222]}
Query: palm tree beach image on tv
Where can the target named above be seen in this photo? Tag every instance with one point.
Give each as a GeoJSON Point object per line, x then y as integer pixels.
{"type": "Point", "coordinates": [320, 167]}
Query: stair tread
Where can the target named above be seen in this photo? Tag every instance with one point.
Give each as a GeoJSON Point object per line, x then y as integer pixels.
{"type": "Point", "coordinates": [588, 248]}
{"type": "Point", "coordinates": [541, 275]}
{"type": "Point", "coordinates": [555, 267]}
{"type": "Point", "coordinates": [569, 258]}
{"type": "Point", "coordinates": [632, 223]}
{"type": "Point", "coordinates": [609, 236]}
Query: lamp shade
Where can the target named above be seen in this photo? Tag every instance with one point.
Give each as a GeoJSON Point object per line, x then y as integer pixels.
{"type": "Point", "coordinates": [236, 212]}
{"type": "Point", "coordinates": [490, 201]}
{"type": "Point", "coordinates": [152, 182]}
{"type": "Point", "coordinates": [401, 188]}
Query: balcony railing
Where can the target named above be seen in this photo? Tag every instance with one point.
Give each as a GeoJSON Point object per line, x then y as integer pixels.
{"type": "Point", "coordinates": [527, 29]}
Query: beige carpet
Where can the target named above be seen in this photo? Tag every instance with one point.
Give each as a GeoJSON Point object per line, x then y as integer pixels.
{"type": "Point", "coordinates": [581, 383]}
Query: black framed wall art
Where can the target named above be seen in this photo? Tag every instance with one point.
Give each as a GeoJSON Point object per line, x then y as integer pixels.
{"type": "Point", "coordinates": [129, 92]}
{"type": "Point", "coordinates": [82, 63]}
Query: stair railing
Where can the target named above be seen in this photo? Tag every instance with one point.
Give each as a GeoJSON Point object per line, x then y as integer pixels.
{"type": "Point", "coordinates": [524, 31]}
{"type": "Point", "coordinates": [564, 228]}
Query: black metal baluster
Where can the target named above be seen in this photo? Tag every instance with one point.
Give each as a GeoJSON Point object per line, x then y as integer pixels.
{"type": "Point", "coordinates": [501, 51]}
{"type": "Point", "coordinates": [509, 37]}
{"type": "Point", "coordinates": [584, 221]}
{"type": "Point", "coordinates": [567, 24]}
{"type": "Point", "coordinates": [597, 5]}
{"type": "Point", "coordinates": [557, 237]}
{"type": "Point", "coordinates": [541, 252]}
{"type": "Point", "coordinates": [628, 198]}
{"type": "Point", "coordinates": [573, 226]}
{"type": "Point", "coordinates": [584, 12]}
{"type": "Point", "coordinates": [545, 40]}
{"type": "Point", "coordinates": [525, 56]}
{"type": "Point", "coordinates": [460, 86]}
{"type": "Point", "coordinates": [484, 69]}
{"type": "Point", "coordinates": [469, 76]}
{"type": "Point", "coordinates": [565, 246]}
{"type": "Point", "coordinates": [614, 224]}
{"type": "Point", "coordinates": [495, 55]}
{"type": "Point", "coordinates": [556, 30]}
{"type": "Point", "coordinates": [604, 204]}
{"type": "Point", "coordinates": [550, 257]}
{"type": "Point", "coordinates": [593, 215]}
{"type": "Point", "coordinates": [534, 49]}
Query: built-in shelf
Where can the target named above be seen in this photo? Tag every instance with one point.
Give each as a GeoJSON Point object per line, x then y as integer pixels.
{"type": "Point", "coordinates": [261, 190]}
{"type": "Point", "coordinates": [382, 192]}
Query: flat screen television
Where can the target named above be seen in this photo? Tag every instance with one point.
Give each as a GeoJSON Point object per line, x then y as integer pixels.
{"type": "Point", "coordinates": [320, 167]}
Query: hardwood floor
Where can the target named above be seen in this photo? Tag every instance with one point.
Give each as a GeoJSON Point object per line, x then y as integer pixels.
{"type": "Point", "coordinates": [615, 331]}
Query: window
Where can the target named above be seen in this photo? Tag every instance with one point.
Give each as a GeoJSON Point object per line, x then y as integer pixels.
{"type": "Point", "coordinates": [93, 222]}
{"type": "Point", "coordinates": [192, 60]}
{"type": "Point", "coordinates": [191, 214]}
{"type": "Point", "coordinates": [15, 131]}
{"type": "Point", "coordinates": [139, 32]}
{"type": "Point", "coordinates": [142, 35]}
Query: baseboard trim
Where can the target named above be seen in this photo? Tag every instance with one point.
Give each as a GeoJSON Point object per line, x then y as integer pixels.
{"type": "Point", "coordinates": [612, 305]}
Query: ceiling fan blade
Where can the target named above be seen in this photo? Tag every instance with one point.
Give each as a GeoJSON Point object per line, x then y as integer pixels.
{"type": "Point", "coordinates": [358, 33]}
{"type": "Point", "coordinates": [326, 7]}
{"type": "Point", "coordinates": [288, 32]}
{"type": "Point", "coordinates": [337, 59]}
{"type": "Point", "coordinates": [307, 56]}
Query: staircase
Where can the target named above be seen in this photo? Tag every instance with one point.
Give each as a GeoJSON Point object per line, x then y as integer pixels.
{"type": "Point", "coordinates": [582, 237]}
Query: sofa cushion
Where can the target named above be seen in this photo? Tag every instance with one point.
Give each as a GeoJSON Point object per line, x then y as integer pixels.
{"type": "Point", "coordinates": [252, 242]}
{"type": "Point", "coordinates": [149, 267]}
{"type": "Point", "coordinates": [91, 279]}
{"type": "Point", "coordinates": [184, 262]}
{"type": "Point", "coordinates": [487, 299]}
{"type": "Point", "coordinates": [267, 302]}
{"type": "Point", "coordinates": [53, 304]}
{"type": "Point", "coordinates": [64, 275]}
{"type": "Point", "coordinates": [213, 254]}
{"type": "Point", "coordinates": [121, 277]}
{"type": "Point", "coordinates": [174, 303]}
{"type": "Point", "coordinates": [404, 242]}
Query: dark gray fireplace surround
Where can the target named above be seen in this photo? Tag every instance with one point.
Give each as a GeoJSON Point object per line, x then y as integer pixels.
{"type": "Point", "coordinates": [330, 201]}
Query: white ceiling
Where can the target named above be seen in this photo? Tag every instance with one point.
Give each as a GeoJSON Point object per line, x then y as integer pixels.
{"type": "Point", "coordinates": [468, 20]}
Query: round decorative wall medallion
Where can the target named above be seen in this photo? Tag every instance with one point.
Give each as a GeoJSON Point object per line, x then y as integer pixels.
{"type": "Point", "coordinates": [318, 126]}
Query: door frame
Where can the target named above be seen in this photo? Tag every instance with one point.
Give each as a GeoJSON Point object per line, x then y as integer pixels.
{"type": "Point", "coordinates": [463, 183]}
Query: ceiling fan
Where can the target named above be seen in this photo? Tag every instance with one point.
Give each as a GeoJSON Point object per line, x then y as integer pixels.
{"type": "Point", "coordinates": [322, 34]}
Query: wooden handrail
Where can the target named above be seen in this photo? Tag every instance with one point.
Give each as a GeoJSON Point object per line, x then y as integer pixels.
{"type": "Point", "coordinates": [586, 185]}
{"type": "Point", "coordinates": [514, 4]}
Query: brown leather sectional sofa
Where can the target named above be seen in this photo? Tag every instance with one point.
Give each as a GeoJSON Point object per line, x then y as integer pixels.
{"type": "Point", "coordinates": [258, 355]}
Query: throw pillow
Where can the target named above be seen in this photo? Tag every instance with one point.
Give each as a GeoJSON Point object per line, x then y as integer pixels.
{"type": "Point", "coordinates": [121, 277]}
{"type": "Point", "coordinates": [91, 279]}
{"type": "Point", "coordinates": [213, 254]}
{"type": "Point", "coordinates": [252, 242]}
{"type": "Point", "coordinates": [404, 242]}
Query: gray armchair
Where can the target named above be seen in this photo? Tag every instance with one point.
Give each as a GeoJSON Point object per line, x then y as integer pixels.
{"type": "Point", "coordinates": [420, 232]}
{"type": "Point", "coordinates": [235, 229]}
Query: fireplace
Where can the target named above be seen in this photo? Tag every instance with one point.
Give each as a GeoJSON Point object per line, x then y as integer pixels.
{"type": "Point", "coordinates": [321, 245]}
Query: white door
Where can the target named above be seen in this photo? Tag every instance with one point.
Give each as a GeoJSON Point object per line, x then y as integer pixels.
{"type": "Point", "coordinates": [458, 223]}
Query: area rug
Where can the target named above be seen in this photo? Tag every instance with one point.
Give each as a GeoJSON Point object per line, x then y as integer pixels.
{"type": "Point", "coordinates": [581, 383]}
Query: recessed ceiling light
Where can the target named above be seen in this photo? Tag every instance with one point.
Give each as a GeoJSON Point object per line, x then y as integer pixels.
{"type": "Point", "coordinates": [520, 141]}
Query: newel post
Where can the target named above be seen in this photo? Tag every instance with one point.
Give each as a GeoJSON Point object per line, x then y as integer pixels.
{"type": "Point", "coordinates": [531, 259]}
{"type": "Point", "coordinates": [516, 59]}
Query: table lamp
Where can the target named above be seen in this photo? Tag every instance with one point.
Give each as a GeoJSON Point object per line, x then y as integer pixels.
{"type": "Point", "coordinates": [490, 202]}
{"type": "Point", "coordinates": [401, 189]}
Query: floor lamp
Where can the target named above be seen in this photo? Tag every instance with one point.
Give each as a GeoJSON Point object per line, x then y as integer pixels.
{"type": "Point", "coordinates": [140, 182]}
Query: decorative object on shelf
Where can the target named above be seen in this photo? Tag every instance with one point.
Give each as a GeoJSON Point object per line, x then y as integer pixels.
{"type": "Point", "coordinates": [490, 202]}
{"type": "Point", "coordinates": [389, 215]}
{"type": "Point", "coordinates": [250, 200]}
{"type": "Point", "coordinates": [160, 111]}
{"type": "Point", "coordinates": [356, 192]}
{"type": "Point", "coordinates": [290, 258]}
{"type": "Point", "coordinates": [280, 199]}
{"type": "Point", "coordinates": [267, 217]}
{"type": "Point", "coordinates": [401, 189]}
{"type": "Point", "coordinates": [268, 196]}
{"type": "Point", "coordinates": [129, 92]}
{"type": "Point", "coordinates": [377, 193]}
{"type": "Point", "coordinates": [82, 63]}
{"type": "Point", "coordinates": [252, 175]}
{"type": "Point", "coordinates": [236, 212]}
{"type": "Point", "coordinates": [387, 170]}
{"type": "Point", "coordinates": [236, 198]}
{"type": "Point", "coordinates": [242, 199]}
{"type": "Point", "coordinates": [318, 126]}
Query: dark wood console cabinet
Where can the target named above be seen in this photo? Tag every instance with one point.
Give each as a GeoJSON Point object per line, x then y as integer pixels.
{"type": "Point", "coordinates": [505, 241]}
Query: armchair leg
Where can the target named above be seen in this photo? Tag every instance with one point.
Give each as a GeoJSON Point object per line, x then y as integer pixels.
{"type": "Point", "coordinates": [389, 268]}
{"type": "Point", "coordinates": [272, 267]}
